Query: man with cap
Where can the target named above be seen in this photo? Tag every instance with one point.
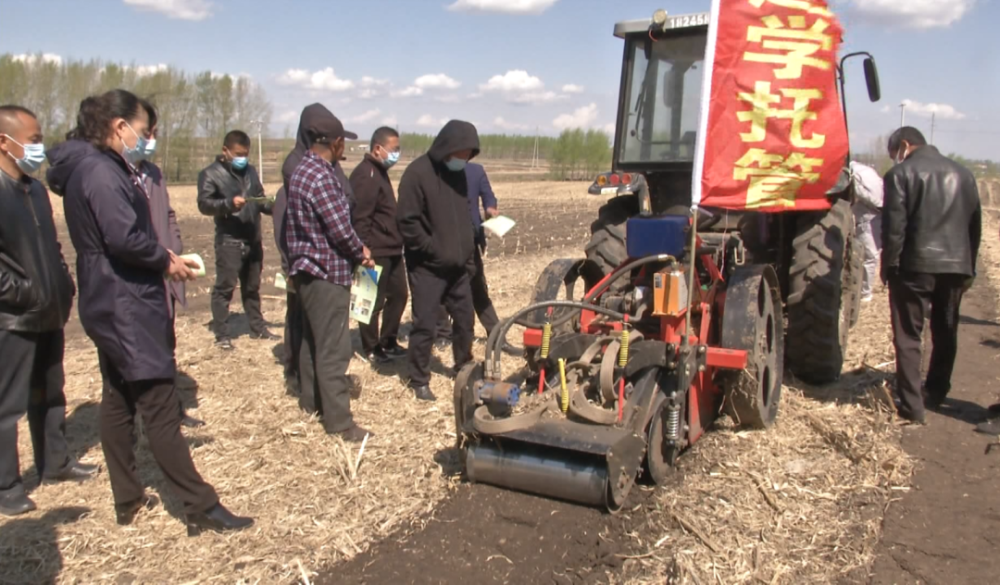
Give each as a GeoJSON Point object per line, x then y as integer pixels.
{"type": "Point", "coordinates": [439, 247]}
{"type": "Point", "coordinates": [323, 251]}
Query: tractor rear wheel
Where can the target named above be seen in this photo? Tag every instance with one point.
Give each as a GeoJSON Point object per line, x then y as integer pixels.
{"type": "Point", "coordinates": [821, 293]}
{"type": "Point", "coordinates": [606, 249]}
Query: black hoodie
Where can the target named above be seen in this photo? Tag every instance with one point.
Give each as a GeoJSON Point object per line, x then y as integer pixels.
{"type": "Point", "coordinates": [433, 209]}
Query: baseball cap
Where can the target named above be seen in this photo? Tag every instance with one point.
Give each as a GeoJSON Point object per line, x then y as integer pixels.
{"type": "Point", "coordinates": [325, 128]}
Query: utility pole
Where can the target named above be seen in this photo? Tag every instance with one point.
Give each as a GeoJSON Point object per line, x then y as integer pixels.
{"type": "Point", "coordinates": [933, 114]}
{"type": "Point", "coordinates": [902, 114]}
{"type": "Point", "coordinates": [534, 151]}
{"type": "Point", "coordinates": [260, 149]}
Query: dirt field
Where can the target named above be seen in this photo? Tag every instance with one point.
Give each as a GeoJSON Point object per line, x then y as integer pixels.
{"type": "Point", "coordinates": [802, 503]}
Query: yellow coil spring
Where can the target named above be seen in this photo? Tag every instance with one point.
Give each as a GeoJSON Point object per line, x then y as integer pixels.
{"type": "Point", "coordinates": [564, 394]}
{"type": "Point", "coordinates": [623, 352]}
{"type": "Point", "coordinates": [546, 339]}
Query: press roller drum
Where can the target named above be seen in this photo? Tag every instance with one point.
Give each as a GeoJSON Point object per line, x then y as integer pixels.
{"type": "Point", "coordinates": [536, 472]}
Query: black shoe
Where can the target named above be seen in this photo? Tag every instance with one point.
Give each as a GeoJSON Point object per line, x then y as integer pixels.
{"type": "Point", "coordinates": [75, 471]}
{"type": "Point", "coordinates": [265, 335]}
{"type": "Point", "coordinates": [355, 434]}
{"type": "Point", "coordinates": [991, 427]}
{"type": "Point", "coordinates": [126, 513]}
{"type": "Point", "coordinates": [218, 519]}
{"type": "Point", "coordinates": [377, 357]}
{"type": "Point", "coordinates": [994, 409]}
{"type": "Point", "coordinates": [395, 352]}
{"type": "Point", "coordinates": [16, 504]}
{"type": "Point", "coordinates": [423, 392]}
{"type": "Point", "coordinates": [190, 422]}
{"type": "Point", "coordinates": [442, 344]}
{"type": "Point", "coordinates": [224, 343]}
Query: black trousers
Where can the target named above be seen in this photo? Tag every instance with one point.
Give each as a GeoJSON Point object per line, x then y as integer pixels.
{"type": "Point", "coordinates": [31, 380]}
{"type": "Point", "coordinates": [480, 301]}
{"type": "Point", "coordinates": [293, 334]}
{"type": "Point", "coordinates": [390, 303]}
{"type": "Point", "coordinates": [326, 351]}
{"type": "Point", "coordinates": [156, 401]}
{"type": "Point", "coordinates": [430, 291]}
{"type": "Point", "coordinates": [237, 261]}
{"type": "Point", "coordinates": [912, 296]}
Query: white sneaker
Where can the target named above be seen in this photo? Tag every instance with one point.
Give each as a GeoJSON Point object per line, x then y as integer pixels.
{"type": "Point", "coordinates": [867, 299]}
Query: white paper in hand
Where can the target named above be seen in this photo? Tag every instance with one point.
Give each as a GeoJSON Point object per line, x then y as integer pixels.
{"type": "Point", "coordinates": [200, 271]}
{"type": "Point", "coordinates": [280, 282]}
{"type": "Point", "coordinates": [499, 225]}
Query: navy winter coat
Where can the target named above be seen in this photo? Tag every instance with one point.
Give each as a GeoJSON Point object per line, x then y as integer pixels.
{"type": "Point", "coordinates": [119, 261]}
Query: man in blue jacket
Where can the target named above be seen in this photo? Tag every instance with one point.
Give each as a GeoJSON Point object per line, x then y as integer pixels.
{"type": "Point", "coordinates": [480, 193]}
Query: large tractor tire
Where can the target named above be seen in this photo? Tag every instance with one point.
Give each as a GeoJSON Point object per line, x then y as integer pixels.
{"type": "Point", "coordinates": [822, 293]}
{"type": "Point", "coordinates": [606, 249]}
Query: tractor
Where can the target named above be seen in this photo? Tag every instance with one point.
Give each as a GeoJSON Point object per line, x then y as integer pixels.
{"type": "Point", "coordinates": [683, 315]}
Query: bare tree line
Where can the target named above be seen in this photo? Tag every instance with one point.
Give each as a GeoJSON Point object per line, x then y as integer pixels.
{"type": "Point", "coordinates": [195, 110]}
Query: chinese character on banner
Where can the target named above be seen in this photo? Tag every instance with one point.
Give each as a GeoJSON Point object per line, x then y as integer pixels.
{"type": "Point", "coordinates": [772, 82]}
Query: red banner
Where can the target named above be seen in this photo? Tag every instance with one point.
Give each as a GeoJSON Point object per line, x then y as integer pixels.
{"type": "Point", "coordinates": [773, 137]}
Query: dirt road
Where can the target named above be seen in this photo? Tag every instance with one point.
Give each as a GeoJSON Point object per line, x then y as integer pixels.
{"type": "Point", "coordinates": [947, 528]}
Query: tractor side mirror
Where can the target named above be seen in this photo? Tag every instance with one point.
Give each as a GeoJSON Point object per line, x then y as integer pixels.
{"type": "Point", "coordinates": [871, 79]}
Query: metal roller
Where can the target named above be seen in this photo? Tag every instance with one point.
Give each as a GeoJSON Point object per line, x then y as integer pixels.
{"type": "Point", "coordinates": [542, 474]}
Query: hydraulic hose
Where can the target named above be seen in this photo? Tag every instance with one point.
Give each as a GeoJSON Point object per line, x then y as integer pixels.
{"type": "Point", "coordinates": [493, 346]}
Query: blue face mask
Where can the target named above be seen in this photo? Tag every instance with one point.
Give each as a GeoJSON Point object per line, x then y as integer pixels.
{"type": "Point", "coordinates": [240, 162]}
{"type": "Point", "coordinates": [393, 159]}
{"type": "Point", "coordinates": [150, 149]}
{"type": "Point", "coordinates": [34, 156]}
{"type": "Point", "coordinates": [455, 164]}
{"type": "Point", "coordinates": [135, 154]}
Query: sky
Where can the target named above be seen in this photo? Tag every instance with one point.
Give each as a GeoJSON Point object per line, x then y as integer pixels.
{"type": "Point", "coordinates": [515, 66]}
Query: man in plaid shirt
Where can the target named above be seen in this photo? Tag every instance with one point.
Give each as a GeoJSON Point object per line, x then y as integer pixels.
{"type": "Point", "coordinates": [323, 251]}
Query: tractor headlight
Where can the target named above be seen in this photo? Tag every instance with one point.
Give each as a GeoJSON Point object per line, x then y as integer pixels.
{"type": "Point", "coordinates": [660, 18]}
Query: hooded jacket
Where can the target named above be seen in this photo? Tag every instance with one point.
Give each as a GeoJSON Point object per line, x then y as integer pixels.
{"type": "Point", "coordinates": [433, 208]}
{"type": "Point", "coordinates": [303, 143]}
{"type": "Point", "coordinates": [119, 261]}
{"type": "Point", "coordinates": [375, 216]}
{"type": "Point", "coordinates": [218, 185]}
{"type": "Point", "coordinates": [931, 216]}
{"type": "Point", "coordinates": [36, 290]}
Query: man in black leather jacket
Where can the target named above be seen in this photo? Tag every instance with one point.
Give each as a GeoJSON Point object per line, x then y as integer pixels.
{"type": "Point", "coordinates": [931, 226]}
{"type": "Point", "coordinates": [226, 191]}
{"type": "Point", "coordinates": [36, 295]}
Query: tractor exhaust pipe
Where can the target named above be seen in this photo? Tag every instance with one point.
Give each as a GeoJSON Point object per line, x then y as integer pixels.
{"type": "Point", "coordinates": [555, 477]}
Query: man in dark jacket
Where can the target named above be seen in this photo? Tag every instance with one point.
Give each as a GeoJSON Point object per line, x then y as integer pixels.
{"type": "Point", "coordinates": [293, 308]}
{"type": "Point", "coordinates": [374, 221]}
{"type": "Point", "coordinates": [226, 191]}
{"type": "Point", "coordinates": [480, 194]}
{"type": "Point", "coordinates": [931, 226]}
{"type": "Point", "coordinates": [36, 294]}
{"type": "Point", "coordinates": [440, 247]}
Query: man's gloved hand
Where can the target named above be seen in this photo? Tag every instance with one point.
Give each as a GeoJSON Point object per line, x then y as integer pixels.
{"type": "Point", "coordinates": [968, 284]}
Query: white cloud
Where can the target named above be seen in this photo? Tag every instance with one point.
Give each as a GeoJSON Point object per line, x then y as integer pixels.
{"type": "Point", "coordinates": [288, 116]}
{"type": "Point", "coordinates": [408, 92]}
{"type": "Point", "coordinates": [45, 57]}
{"type": "Point", "coordinates": [514, 80]}
{"type": "Point", "coordinates": [436, 81]}
{"type": "Point", "coordinates": [912, 13]}
{"type": "Point", "coordinates": [609, 129]}
{"type": "Point", "coordinates": [365, 117]}
{"type": "Point", "coordinates": [571, 88]}
{"type": "Point", "coordinates": [390, 121]}
{"type": "Point", "coordinates": [367, 81]}
{"type": "Point", "coordinates": [324, 79]}
{"type": "Point", "coordinates": [144, 70]}
{"type": "Point", "coordinates": [580, 118]}
{"type": "Point", "coordinates": [540, 97]}
{"type": "Point", "coordinates": [179, 9]}
{"type": "Point", "coordinates": [448, 99]}
{"type": "Point", "coordinates": [505, 125]}
{"type": "Point", "coordinates": [430, 121]}
{"type": "Point", "coordinates": [941, 111]}
{"type": "Point", "coordinates": [504, 6]}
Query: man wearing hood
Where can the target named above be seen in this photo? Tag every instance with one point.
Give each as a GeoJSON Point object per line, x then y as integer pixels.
{"type": "Point", "coordinates": [311, 114]}
{"type": "Point", "coordinates": [439, 241]}
{"type": "Point", "coordinates": [226, 190]}
{"type": "Point", "coordinates": [36, 295]}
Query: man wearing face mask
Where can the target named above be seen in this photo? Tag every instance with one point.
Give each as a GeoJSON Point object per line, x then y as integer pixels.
{"type": "Point", "coordinates": [225, 191]}
{"type": "Point", "coordinates": [36, 294]}
{"type": "Point", "coordinates": [439, 240]}
{"type": "Point", "coordinates": [375, 223]}
{"type": "Point", "coordinates": [323, 251]}
{"type": "Point", "coordinates": [931, 227]}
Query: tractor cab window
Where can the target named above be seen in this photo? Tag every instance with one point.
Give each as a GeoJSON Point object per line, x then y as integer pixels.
{"type": "Point", "coordinates": [662, 99]}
